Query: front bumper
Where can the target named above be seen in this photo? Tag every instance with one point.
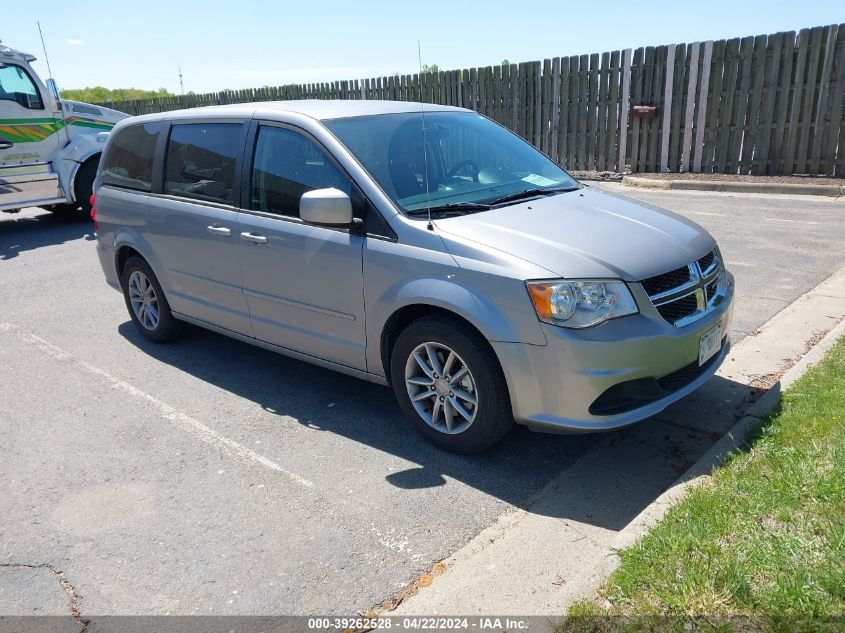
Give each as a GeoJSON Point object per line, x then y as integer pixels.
{"type": "Point", "coordinates": [553, 387]}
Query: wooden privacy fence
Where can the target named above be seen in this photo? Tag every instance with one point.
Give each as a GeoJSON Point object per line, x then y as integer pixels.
{"type": "Point", "coordinates": [770, 104]}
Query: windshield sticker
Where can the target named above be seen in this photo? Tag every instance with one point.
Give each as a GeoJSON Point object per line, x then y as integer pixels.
{"type": "Point", "coordinates": [540, 181]}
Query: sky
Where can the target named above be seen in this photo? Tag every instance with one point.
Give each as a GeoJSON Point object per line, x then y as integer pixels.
{"type": "Point", "coordinates": [251, 43]}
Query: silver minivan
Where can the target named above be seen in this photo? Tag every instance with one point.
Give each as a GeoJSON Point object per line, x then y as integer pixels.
{"type": "Point", "coordinates": [422, 247]}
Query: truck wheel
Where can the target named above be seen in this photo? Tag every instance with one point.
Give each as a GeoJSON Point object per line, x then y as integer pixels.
{"type": "Point", "coordinates": [146, 302]}
{"type": "Point", "coordinates": [68, 207]}
{"type": "Point", "coordinates": [449, 385]}
{"type": "Point", "coordinates": [84, 185]}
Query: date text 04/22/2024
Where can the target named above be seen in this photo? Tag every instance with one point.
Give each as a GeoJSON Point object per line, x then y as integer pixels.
{"type": "Point", "coordinates": [418, 623]}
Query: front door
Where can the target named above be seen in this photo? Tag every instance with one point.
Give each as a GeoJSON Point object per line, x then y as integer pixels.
{"type": "Point", "coordinates": [29, 136]}
{"type": "Point", "coordinates": [303, 283]}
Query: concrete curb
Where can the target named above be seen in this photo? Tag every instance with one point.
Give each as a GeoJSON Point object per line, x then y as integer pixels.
{"type": "Point", "coordinates": [833, 191]}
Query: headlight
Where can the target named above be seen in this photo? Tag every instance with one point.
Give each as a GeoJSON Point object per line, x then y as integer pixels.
{"type": "Point", "coordinates": [580, 304]}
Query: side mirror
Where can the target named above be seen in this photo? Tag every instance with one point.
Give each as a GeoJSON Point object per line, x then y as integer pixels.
{"type": "Point", "coordinates": [326, 207]}
{"type": "Point", "coordinates": [54, 92]}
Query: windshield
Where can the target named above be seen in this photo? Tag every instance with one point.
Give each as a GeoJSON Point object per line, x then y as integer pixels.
{"type": "Point", "coordinates": [469, 162]}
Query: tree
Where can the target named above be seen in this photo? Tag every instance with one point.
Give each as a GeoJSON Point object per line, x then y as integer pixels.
{"type": "Point", "coordinates": [99, 94]}
{"type": "Point", "coordinates": [505, 62]}
{"type": "Point", "coordinates": [433, 68]}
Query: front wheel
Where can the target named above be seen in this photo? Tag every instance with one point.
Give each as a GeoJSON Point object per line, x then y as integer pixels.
{"type": "Point", "coordinates": [449, 385]}
{"type": "Point", "coordinates": [146, 302]}
{"type": "Point", "coordinates": [84, 185]}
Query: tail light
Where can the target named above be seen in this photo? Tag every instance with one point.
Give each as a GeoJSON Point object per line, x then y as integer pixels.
{"type": "Point", "coordinates": [94, 212]}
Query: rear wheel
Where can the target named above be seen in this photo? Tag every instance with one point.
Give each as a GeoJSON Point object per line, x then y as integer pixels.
{"type": "Point", "coordinates": [449, 385]}
{"type": "Point", "coordinates": [146, 303]}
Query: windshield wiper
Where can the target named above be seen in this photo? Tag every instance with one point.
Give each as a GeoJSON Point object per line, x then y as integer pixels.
{"type": "Point", "coordinates": [531, 193]}
{"type": "Point", "coordinates": [455, 208]}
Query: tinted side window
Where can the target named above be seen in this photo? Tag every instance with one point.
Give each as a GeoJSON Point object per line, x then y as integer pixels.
{"type": "Point", "coordinates": [201, 160]}
{"type": "Point", "coordinates": [286, 165]}
{"type": "Point", "coordinates": [128, 163]}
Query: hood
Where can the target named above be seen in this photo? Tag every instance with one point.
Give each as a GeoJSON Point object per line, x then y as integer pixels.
{"type": "Point", "coordinates": [584, 233]}
{"type": "Point", "coordinates": [94, 113]}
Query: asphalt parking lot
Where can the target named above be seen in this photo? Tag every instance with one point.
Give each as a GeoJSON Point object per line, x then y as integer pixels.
{"type": "Point", "coordinates": [213, 477]}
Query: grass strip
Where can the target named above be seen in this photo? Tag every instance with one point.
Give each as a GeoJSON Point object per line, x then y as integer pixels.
{"type": "Point", "coordinates": [760, 545]}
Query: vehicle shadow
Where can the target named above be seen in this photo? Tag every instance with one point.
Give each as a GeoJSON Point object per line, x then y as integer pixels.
{"type": "Point", "coordinates": [602, 479]}
{"type": "Point", "coordinates": [26, 233]}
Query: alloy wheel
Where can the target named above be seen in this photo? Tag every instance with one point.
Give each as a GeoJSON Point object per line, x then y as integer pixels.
{"type": "Point", "coordinates": [142, 297]}
{"type": "Point", "coordinates": [441, 388]}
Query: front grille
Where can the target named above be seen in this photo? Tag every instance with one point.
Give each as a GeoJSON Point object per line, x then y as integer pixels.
{"type": "Point", "coordinates": [677, 310]}
{"type": "Point", "coordinates": [687, 293]}
{"type": "Point", "coordinates": [705, 262]}
{"type": "Point", "coordinates": [712, 289]}
{"type": "Point", "coordinates": [667, 281]}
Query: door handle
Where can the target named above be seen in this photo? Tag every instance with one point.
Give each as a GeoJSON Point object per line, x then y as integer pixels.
{"type": "Point", "coordinates": [219, 230]}
{"type": "Point", "coordinates": [255, 238]}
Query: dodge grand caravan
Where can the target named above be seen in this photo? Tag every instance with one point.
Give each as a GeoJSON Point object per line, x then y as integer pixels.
{"type": "Point", "coordinates": [422, 247]}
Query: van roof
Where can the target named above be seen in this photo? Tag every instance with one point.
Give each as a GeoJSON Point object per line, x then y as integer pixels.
{"type": "Point", "coordinates": [319, 109]}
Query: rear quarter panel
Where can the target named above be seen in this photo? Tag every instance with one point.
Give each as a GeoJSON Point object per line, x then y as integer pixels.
{"type": "Point", "coordinates": [122, 221]}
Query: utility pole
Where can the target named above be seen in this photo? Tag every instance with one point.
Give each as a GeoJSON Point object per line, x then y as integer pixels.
{"type": "Point", "coordinates": [181, 86]}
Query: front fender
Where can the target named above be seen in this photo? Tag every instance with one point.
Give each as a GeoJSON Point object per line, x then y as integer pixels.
{"type": "Point", "coordinates": [78, 151]}
{"type": "Point", "coordinates": [498, 308]}
{"type": "Point", "coordinates": [487, 317]}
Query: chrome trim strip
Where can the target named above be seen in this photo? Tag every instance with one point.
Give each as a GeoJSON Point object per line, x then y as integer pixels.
{"type": "Point", "coordinates": [682, 291]}
{"type": "Point", "coordinates": [693, 280]}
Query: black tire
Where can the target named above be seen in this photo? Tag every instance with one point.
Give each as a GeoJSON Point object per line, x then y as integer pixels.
{"type": "Point", "coordinates": [62, 209]}
{"type": "Point", "coordinates": [493, 413]}
{"type": "Point", "coordinates": [168, 327]}
{"type": "Point", "coordinates": [83, 186]}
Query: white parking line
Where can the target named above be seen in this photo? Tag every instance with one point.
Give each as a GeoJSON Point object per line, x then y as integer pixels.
{"type": "Point", "coordinates": [164, 411]}
{"type": "Point", "coordinates": [722, 215]}
{"type": "Point", "coordinates": [791, 221]}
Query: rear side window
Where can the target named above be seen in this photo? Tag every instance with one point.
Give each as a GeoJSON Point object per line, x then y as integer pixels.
{"type": "Point", "coordinates": [201, 161]}
{"type": "Point", "coordinates": [129, 160]}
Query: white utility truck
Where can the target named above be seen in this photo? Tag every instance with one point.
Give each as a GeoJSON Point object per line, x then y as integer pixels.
{"type": "Point", "coordinates": [49, 147]}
